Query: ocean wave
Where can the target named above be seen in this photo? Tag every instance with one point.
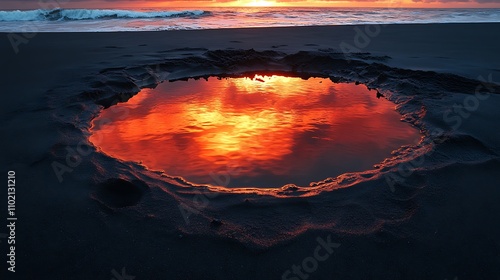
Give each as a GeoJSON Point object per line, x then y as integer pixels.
{"type": "Point", "coordinates": [86, 14]}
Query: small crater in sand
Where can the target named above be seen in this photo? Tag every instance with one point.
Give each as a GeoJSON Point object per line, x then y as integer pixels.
{"type": "Point", "coordinates": [119, 193]}
{"type": "Point", "coordinates": [258, 131]}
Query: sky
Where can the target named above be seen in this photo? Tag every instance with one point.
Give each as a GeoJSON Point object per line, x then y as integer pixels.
{"type": "Point", "coordinates": [47, 4]}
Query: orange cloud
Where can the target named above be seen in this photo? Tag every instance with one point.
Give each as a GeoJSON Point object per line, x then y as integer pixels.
{"type": "Point", "coordinates": [34, 4]}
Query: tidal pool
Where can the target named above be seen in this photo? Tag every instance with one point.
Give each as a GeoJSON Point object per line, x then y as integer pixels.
{"type": "Point", "coordinates": [265, 131]}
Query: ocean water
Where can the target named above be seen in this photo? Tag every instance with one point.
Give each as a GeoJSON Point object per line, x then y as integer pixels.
{"type": "Point", "coordinates": [103, 20]}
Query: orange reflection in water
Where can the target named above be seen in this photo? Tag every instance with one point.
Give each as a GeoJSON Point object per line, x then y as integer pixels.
{"type": "Point", "coordinates": [263, 132]}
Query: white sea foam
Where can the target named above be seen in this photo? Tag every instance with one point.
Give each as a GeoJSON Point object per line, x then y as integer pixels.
{"type": "Point", "coordinates": [86, 14]}
{"type": "Point", "coordinates": [102, 20]}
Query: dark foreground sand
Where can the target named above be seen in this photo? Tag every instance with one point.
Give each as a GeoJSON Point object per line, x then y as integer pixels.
{"type": "Point", "coordinates": [429, 212]}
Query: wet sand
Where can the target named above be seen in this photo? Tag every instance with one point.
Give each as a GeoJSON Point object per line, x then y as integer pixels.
{"type": "Point", "coordinates": [428, 212]}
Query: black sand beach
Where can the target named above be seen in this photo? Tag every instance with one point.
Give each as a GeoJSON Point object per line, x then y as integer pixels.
{"type": "Point", "coordinates": [429, 212]}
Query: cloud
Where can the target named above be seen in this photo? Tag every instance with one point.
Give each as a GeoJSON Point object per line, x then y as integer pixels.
{"type": "Point", "coordinates": [458, 1]}
{"type": "Point", "coordinates": [36, 4]}
{"type": "Point", "coordinates": [488, 1]}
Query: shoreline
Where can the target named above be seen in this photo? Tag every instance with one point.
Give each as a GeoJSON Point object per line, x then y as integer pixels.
{"type": "Point", "coordinates": [415, 230]}
{"type": "Point", "coordinates": [420, 47]}
{"type": "Point", "coordinates": [263, 27]}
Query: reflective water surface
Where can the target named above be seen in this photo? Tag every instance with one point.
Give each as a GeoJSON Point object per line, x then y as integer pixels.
{"type": "Point", "coordinates": [140, 18]}
{"type": "Point", "coordinates": [262, 132]}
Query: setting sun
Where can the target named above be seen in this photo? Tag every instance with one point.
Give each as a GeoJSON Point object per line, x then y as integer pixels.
{"type": "Point", "coordinates": [261, 3]}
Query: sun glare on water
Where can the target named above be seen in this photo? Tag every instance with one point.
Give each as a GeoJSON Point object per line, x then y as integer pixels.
{"type": "Point", "coordinates": [260, 3]}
